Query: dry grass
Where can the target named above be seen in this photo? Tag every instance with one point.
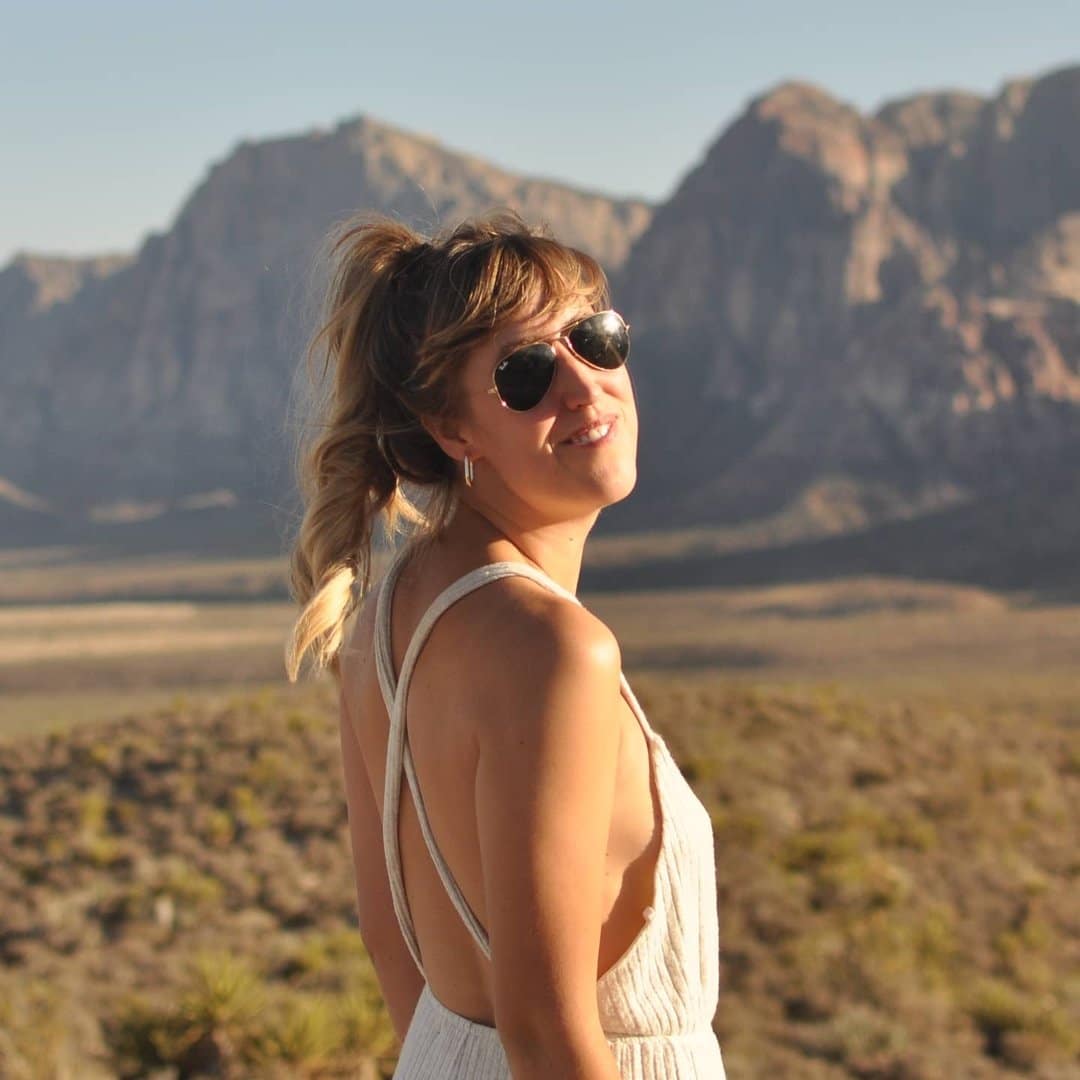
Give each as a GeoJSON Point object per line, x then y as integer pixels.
{"type": "Point", "coordinates": [892, 769]}
{"type": "Point", "coordinates": [895, 885]}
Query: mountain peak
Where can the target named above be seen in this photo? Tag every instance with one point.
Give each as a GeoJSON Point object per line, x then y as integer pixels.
{"type": "Point", "coordinates": [797, 96]}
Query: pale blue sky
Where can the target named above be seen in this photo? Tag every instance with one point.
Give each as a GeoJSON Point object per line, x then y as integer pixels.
{"type": "Point", "coordinates": [114, 109]}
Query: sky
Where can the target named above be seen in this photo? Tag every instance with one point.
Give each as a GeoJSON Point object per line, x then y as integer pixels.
{"type": "Point", "coordinates": [114, 111]}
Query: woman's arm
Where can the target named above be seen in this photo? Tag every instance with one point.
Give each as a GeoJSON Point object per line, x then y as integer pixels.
{"type": "Point", "coordinates": [545, 789]}
{"type": "Point", "coordinates": [399, 978]}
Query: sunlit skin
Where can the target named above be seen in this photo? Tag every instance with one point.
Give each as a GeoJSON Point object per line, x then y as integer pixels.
{"type": "Point", "coordinates": [534, 495]}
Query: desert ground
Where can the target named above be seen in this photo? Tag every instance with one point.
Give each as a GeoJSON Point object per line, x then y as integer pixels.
{"type": "Point", "coordinates": [892, 768]}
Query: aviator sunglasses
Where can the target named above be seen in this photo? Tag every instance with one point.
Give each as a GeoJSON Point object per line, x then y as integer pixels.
{"type": "Point", "coordinates": [522, 378]}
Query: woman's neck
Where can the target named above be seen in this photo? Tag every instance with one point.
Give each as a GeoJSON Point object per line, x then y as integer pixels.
{"type": "Point", "coordinates": [556, 548]}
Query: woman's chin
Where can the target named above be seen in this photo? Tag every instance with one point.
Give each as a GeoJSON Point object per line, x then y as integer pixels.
{"type": "Point", "coordinates": [616, 486]}
{"type": "Point", "coordinates": [626, 489]}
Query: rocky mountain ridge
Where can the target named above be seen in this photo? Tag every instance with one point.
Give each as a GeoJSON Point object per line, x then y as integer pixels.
{"type": "Point", "coordinates": [892, 299]}
{"type": "Point", "coordinates": [839, 319]}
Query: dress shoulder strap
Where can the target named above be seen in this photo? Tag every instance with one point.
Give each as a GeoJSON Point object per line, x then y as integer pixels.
{"type": "Point", "coordinates": [398, 754]}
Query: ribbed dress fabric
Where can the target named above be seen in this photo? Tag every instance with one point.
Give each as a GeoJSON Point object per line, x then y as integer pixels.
{"type": "Point", "coordinates": [657, 1001]}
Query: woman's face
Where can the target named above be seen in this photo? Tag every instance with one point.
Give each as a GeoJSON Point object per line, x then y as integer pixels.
{"type": "Point", "coordinates": [526, 455]}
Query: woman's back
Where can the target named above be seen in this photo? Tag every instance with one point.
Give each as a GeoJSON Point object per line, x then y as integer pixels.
{"type": "Point", "coordinates": [461, 651]}
{"type": "Point", "coordinates": [657, 984]}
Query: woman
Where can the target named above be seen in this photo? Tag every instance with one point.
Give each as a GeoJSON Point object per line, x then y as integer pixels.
{"type": "Point", "coordinates": [538, 898]}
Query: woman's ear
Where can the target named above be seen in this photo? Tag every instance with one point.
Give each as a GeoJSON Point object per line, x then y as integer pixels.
{"type": "Point", "coordinates": [451, 435]}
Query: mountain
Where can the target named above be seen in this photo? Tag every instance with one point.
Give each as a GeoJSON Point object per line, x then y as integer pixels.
{"type": "Point", "coordinates": [841, 321]}
{"type": "Point", "coordinates": [131, 384]}
{"type": "Point", "coordinates": [884, 305]}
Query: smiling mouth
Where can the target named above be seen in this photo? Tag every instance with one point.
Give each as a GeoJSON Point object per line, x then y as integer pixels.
{"type": "Point", "coordinates": [595, 435]}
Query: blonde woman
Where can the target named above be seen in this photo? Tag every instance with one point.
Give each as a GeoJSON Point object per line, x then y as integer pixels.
{"type": "Point", "coordinates": [535, 878]}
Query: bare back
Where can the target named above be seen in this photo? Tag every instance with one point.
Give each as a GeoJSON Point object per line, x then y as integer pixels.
{"type": "Point", "coordinates": [458, 655]}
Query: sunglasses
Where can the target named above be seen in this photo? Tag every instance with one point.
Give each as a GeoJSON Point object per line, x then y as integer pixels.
{"type": "Point", "coordinates": [522, 378]}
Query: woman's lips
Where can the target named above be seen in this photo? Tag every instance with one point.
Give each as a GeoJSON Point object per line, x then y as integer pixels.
{"type": "Point", "coordinates": [611, 422]}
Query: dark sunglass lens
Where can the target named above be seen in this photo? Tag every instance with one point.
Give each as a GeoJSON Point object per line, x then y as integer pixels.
{"type": "Point", "coordinates": [602, 339]}
{"type": "Point", "coordinates": [523, 378]}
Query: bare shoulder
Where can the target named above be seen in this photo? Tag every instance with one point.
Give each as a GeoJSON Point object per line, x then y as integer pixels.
{"type": "Point", "coordinates": [522, 623]}
{"type": "Point", "coordinates": [533, 647]}
{"type": "Point", "coordinates": [511, 642]}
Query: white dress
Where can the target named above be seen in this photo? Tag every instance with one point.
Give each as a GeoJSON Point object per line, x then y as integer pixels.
{"type": "Point", "coordinates": [657, 1001]}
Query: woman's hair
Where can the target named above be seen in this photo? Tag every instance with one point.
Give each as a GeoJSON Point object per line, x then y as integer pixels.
{"type": "Point", "coordinates": [400, 316]}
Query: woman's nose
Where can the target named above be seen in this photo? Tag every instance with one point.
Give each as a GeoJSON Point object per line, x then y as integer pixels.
{"type": "Point", "coordinates": [574, 379]}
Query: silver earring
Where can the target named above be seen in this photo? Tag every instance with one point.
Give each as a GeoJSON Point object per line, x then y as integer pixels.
{"type": "Point", "coordinates": [468, 471]}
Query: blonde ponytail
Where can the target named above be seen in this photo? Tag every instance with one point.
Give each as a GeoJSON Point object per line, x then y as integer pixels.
{"type": "Point", "coordinates": [346, 476]}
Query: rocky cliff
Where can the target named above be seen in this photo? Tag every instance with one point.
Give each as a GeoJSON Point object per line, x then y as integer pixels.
{"type": "Point", "coordinates": [886, 306]}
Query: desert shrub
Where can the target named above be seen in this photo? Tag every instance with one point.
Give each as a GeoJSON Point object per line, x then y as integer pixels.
{"type": "Point", "coordinates": [935, 944]}
{"type": "Point", "coordinates": [1008, 1017]}
{"type": "Point", "coordinates": [102, 852]}
{"type": "Point", "coordinates": [864, 882]}
{"type": "Point", "coordinates": [215, 1016]}
{"type": "Point", "coordinates": [335, 951]}
{"type": "Point", "coordinates": [218, 827]}
{"type": "Point", "coordinates": [813, 848]}
{"type": "Point", "coordinates": [905, 829]}
{"type": "Point", "coordinates": [43, 1031]}
{"type": "Point", "coordinates": [224, 992]}
{"type": "Point", "coordinates": [304, 1029]}
{"type": "Point", "coordinates": [864, 1040]}
{"type": "Point", "coordinates": [143, 1035]}
{"type": "Point", "coordinates": [186, 884]}
{"type": "Point", "coordinates": [365, 1020]}
{"type": "Point", "coordinates": [93, 811]}
{"type": "Point", "coordinates": [273, 772]}
{"type": "Point", "coordinates": [248, 809]}
{"type": "Point", "coordinates": [745, 827]}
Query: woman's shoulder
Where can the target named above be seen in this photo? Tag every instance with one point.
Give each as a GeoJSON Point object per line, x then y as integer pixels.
{"type": "Point", "coordinates": [512, 624]}
{"type": "Point", "coordinates": [518, 614]}
{"type": "Point", "coordinates": [526, 643]}
{"type": "Point", "coordinates": [500, 596]}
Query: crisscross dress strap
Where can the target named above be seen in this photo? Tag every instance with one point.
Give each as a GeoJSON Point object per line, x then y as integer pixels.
{"type": "Point", "coordinates": [398, 754]}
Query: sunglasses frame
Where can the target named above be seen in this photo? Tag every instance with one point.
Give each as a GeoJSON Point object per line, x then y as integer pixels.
{"type": "Point", "coordinates": [564, 337]}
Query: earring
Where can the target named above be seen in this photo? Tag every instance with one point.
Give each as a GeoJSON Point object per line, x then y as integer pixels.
{"type": "Point", "coordinates": [469, 473]}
